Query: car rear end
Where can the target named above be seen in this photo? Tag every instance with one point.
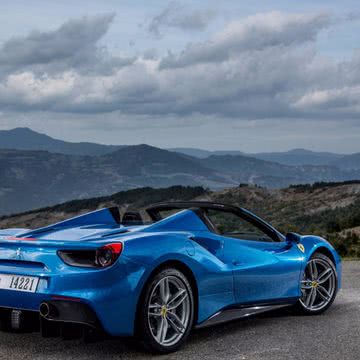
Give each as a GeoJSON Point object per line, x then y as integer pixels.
{"type": "Point", "coordinates": [54, 283]}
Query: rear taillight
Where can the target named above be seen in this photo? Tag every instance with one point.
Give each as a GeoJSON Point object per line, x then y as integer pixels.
{"type": "Point", "coordinates": [108, 254]}
{"type": "Point", "coordinates": [97, 258]}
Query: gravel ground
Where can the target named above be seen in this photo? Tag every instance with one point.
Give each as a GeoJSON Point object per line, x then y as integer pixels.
{"type": "Point", "coordinates": [333, 335]}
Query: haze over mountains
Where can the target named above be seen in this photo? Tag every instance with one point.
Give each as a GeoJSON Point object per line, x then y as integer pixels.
{"type": "Point", "coordinates": [27, 139]}
{"type": "Point", "coordinates": [292, 157]}
{"type": "Point", "coordinates": [37, 170]}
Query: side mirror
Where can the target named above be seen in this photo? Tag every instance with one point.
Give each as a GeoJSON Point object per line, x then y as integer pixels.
{"type": "Point", "coordinates": [293, 238]}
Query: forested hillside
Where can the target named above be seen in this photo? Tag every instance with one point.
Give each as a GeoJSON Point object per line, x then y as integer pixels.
{"type": "Point", "coordinates": [331, 210]}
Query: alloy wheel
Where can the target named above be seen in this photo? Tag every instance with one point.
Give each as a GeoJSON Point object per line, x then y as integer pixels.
{"type": "Point", "coordinates": [318, 285]}
{"type": "Point", "coordinates": [169, 310]}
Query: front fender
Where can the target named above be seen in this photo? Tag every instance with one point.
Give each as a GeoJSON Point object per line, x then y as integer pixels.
{"type": "Point", "coordinates": [313, 244]}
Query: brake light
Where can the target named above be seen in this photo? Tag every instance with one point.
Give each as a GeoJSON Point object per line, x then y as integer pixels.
{"type": "Point", "coordinates": [108, 254]}
{"type": "Point", "coordinates": [97, 258]}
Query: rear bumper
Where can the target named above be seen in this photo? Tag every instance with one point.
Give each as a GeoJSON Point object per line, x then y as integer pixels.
{"type": "Point", "coordinates": [105, 299]}
{"type": "Point", "coordinates": [73, 312]}
{"type": "Point", "coordinates": [53, 314]}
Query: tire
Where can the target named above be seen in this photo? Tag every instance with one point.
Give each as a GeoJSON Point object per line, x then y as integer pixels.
{"type": "Point", "coordinates": [317, 294]}
{"type": "Point", "coordinates": [159, 312]}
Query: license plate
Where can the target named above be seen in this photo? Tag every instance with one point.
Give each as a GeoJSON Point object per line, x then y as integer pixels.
{"type": "Point", "coordinates": [18, 283]}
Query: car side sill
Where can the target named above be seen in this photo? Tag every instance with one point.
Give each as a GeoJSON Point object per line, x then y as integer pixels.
{"type": "Point", "coordinates": [239, 313]}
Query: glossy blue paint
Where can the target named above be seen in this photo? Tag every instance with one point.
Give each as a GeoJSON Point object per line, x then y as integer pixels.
{"type": "Point", "coordinates": [227, 271]}
{"type": "Point", "coordinates": [264, 271]}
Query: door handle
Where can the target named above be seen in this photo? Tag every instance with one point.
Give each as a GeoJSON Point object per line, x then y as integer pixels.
{"type": "Point", "coordinates": [236, 262]}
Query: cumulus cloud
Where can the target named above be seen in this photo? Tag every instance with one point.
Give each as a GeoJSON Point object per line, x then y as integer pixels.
{"type": "Point", "coordinates": [72, 45]}
{"type": "Point", "coordinates": [25, 90]}
{"type": "Point", "coordinates": [253, 33]}
{"type": "Point", "coordinates": [260, 67]}
{"type": "Point", "coordinates": [343, 100]}
{"type": "Point", "coordinates": [176, 15]}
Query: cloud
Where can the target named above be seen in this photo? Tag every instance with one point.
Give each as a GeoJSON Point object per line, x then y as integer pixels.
{"type": "Point", "coordinates": [260, 67]}
{"type": "Point", "coordinates": [27, 90]}
{"type": "Point", "coordinates": [343, 100]}
{"type": "Point", "coordinates": [254, 33]}
{"type": "Point", "coordinates": [176, 15]}
{"type": "Point", "coordinates": [72, 45]}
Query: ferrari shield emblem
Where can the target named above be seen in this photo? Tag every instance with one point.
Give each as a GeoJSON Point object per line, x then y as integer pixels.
{"type": "Point", "coordinates": [301, 247]}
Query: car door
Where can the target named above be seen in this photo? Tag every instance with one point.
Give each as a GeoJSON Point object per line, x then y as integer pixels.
{"type": "Point", "coordinates": [265, 268]}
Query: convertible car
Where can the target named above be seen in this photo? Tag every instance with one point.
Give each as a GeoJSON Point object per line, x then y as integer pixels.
{"type": "Point", "coordinates": [160, 273]}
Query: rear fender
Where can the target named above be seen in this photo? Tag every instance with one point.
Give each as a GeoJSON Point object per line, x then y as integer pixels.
{"type": "Point", "coordinates": [214, 279]}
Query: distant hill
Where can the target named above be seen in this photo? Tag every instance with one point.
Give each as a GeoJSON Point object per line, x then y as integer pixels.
{"type": "Point", "coordinates": [331, 210]}
{"type": "Point", "coordinates": [198, 153]}
{"type": "Point", "coordinates": [246, 169]}
{"type": "Point", "coordinates": [39, 171]}
{"type": "Point", "coordinates": [27, 139]}
{"type": "Point", "coordinates": [202, 154]}
{"type": "Point", "coordinates": [30, 179]}
{"type": "Point", "coordinates": [297, 157]}
{"type": "Point", "coordinates": [348, 162]}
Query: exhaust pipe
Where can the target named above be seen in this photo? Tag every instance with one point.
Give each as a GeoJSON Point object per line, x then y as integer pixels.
{"type": "Point", "coordinates": [44, 309]}
{"type": "Point", "coordinates": [47, 310]}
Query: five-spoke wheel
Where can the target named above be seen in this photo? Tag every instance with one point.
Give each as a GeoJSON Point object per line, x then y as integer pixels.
{"type": "Point", "coordinates": [165, 314]}
{"type": "Point", "coordinates": [168, 312]}
{"type": "Point", "coordinates": [319, 285]}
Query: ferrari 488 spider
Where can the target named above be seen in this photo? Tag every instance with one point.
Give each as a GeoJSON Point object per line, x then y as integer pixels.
{"type": "Point", "coordinates": [159, 274]}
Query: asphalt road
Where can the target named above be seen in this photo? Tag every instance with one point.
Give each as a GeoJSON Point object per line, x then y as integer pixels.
{"type": "Point", "coordinates": [333, 335]}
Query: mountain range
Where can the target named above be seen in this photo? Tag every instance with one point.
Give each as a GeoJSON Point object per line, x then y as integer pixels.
{"type": "Point", "coordinates": [27, 139]}
{"type": "Point", "coordinates": [293, 157]}
{"type": "Point", "coordinates": [37, 170]}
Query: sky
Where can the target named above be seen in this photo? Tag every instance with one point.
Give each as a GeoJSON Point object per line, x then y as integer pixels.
{"type": "Point", "coordinates": [232, 75]}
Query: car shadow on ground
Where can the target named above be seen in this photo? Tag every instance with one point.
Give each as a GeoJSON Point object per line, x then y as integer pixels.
{"type": "Point", "coordinates": [113, 346]}
{"type": "Point", "coordinates": [125, 348]}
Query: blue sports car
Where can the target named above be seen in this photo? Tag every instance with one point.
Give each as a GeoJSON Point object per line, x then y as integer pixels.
{"type": "Point", "coordinates": [159, 273]}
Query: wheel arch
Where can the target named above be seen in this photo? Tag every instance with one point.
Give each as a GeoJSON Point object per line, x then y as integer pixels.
{"type": "Point", "coordinates": [186, 270]}
{"type": "Point", "coordinates": [336, 260]}
{"type": "Point", "coordinates": [325, 251]}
